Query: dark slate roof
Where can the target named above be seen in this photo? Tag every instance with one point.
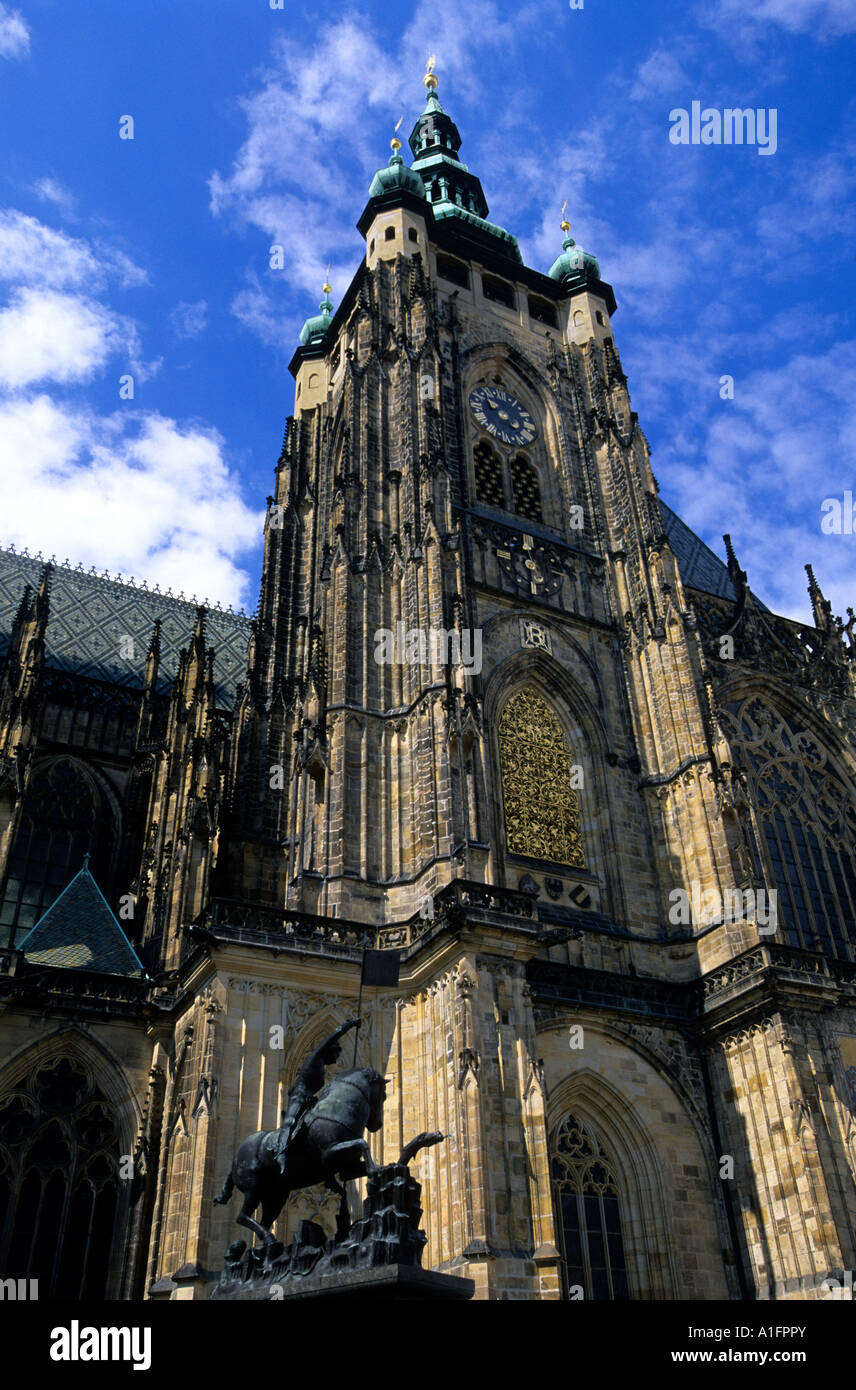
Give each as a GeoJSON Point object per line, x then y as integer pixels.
{"type": "Point", "coordinates": [79, 932]}
{"type": "Point", "coordinates": [90, 614]}
{"type": "Point", "coordinates": [700, 568]}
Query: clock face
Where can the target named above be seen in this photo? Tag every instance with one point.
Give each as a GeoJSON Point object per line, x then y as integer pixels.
{"type": "Point", "coordinates": [502, 416]}
{"type": "Point", "coordinates": [531, 566]}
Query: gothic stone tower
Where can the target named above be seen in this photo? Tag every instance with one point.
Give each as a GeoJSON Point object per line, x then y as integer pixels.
{"type": "Point", "coordinates": [504, 714]}
{"type": "Point", "coordinates": [464, 474]}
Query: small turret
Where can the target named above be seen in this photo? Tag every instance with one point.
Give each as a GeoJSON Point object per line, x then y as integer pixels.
{"type": "Point", "coordinates": [396, 177]}
{"type": "Point", "coordinates": [308, 364]}
{"type": "Point", "coordinates": [575, 266]}
{"type": "Point", "coordinates": [591, 300]}
{"type": "Point", "coordinates": [313, 331]}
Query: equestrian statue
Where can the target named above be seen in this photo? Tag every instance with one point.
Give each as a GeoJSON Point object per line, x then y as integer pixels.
{"type": "Point", "coordinates": [320, 1139]}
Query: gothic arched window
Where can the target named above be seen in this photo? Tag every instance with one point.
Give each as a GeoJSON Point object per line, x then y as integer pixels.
{"type": "Point", "coordinates": [588, 1216]}
{"type": "Point", "coordinates": [524, 484]}
{"type": "Point", "coordinates": [62, 820]}
{"type": "Point", "coordinates": [807, 820]}
{"type": "Point", "coordinates": [510, 485]}
{"type": "Point", "coordinates": [59, 1183]}
{"type": "Point", "coordinates": [489, 485]}
{"type": "Point", "coordinates": [542, 807]}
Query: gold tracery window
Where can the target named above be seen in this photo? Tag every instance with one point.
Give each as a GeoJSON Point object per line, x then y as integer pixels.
{"type": "Point", "coordinates": [542, 807]}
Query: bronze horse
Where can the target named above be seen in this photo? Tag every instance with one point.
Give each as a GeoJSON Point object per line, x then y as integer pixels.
{"type": "Point", "coordinates": [327, 1144]}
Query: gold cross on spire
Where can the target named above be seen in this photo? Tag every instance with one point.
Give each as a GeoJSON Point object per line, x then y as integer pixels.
{"type": "Point", "coordinates": [430, 78]}
{"type": "Point", "coordinates": [395, 143]}
{"type": "Point", "coordinates": [565, 224]}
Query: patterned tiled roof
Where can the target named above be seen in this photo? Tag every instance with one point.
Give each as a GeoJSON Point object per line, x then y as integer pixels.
{"type": "Point", "coordinates": [79, 932]}
{"type": "Point", "coordinates": [91, 617]}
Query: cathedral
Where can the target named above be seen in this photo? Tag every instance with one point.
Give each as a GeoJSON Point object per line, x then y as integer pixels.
{"type": "Point", "coordinates": [498, 713]}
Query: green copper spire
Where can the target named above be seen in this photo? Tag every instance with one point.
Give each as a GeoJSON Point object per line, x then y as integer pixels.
{"type": "Point", "coordinates": [575, 266]}
{"type": "Point", "coordinates": [435, 141]}
{"type": "Point", "coordinates": [396, 176]}
{"type": "Point", "coordinates": [451, 189]}
{"type": "Point", "coordinates": [313, 330]}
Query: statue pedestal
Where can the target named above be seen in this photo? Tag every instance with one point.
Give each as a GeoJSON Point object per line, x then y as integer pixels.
{"type": "Point", "coordinates": [400, 1283]}
{"type": "Point", "coordinates": [380, 1257]}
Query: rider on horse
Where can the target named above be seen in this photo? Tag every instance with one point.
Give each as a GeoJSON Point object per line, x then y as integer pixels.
{"type": "Point", "coordinates": [310, 1080]}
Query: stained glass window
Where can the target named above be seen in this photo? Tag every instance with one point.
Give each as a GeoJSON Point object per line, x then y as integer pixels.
{"type": "Point", "coordinates": [59, 1183]}
{"type": "Point", "coordinates": [807, 819]}
{"type": "Point", "coordinates": [588, 1215]}
{"type": "Point", "coordinates": [60, 823]}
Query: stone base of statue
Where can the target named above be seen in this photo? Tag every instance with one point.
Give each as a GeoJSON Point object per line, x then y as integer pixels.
{"type": "Point", "coordinates": [381, 1257]}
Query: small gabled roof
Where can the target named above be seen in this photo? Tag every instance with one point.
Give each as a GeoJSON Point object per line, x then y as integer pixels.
{"type": "Point", "coordinates": [80, 932]}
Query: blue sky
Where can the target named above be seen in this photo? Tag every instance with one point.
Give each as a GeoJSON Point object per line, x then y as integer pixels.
{"type": "Point", "coordinates": [255, 125]}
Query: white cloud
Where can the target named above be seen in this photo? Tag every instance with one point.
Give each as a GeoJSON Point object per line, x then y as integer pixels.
{"type": "Point", "coordinates": [822, 19]}
{"type": "Point", "coordinates": [659, 74]}
{"type": "Point", "coordinates": [137, 493]}
{"type": "Point", "coordinates": [33, 253]}
{"type": "Point", "coordinates": [815, 207]}
{"type": "Point", "coordinates": [14, 34]}
{"type": "Point", "coordinates": [760, 467]}
{"type": "Point", "coordinates": [295, 153]}
{"type": "Point", "coordinates": [133, 491]}
{"type": "Point", "coordinates": [254, 308]}
{"type": "Point", "coordinates": [48, 336]}
{"type": "Point", "coordinates": [189, 320]}
{"type": "Point", "coordinates": [52, 191]}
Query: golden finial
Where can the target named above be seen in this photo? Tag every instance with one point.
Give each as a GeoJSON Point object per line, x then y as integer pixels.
{"type": "Point", "coordinates": [327, 288]}
{"type": "Point", "coordinates": [565, 224]}
{"type": "Point", "coordinates": [395, 143]}
{"type": "Point", "coordinates": [430, 78]}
